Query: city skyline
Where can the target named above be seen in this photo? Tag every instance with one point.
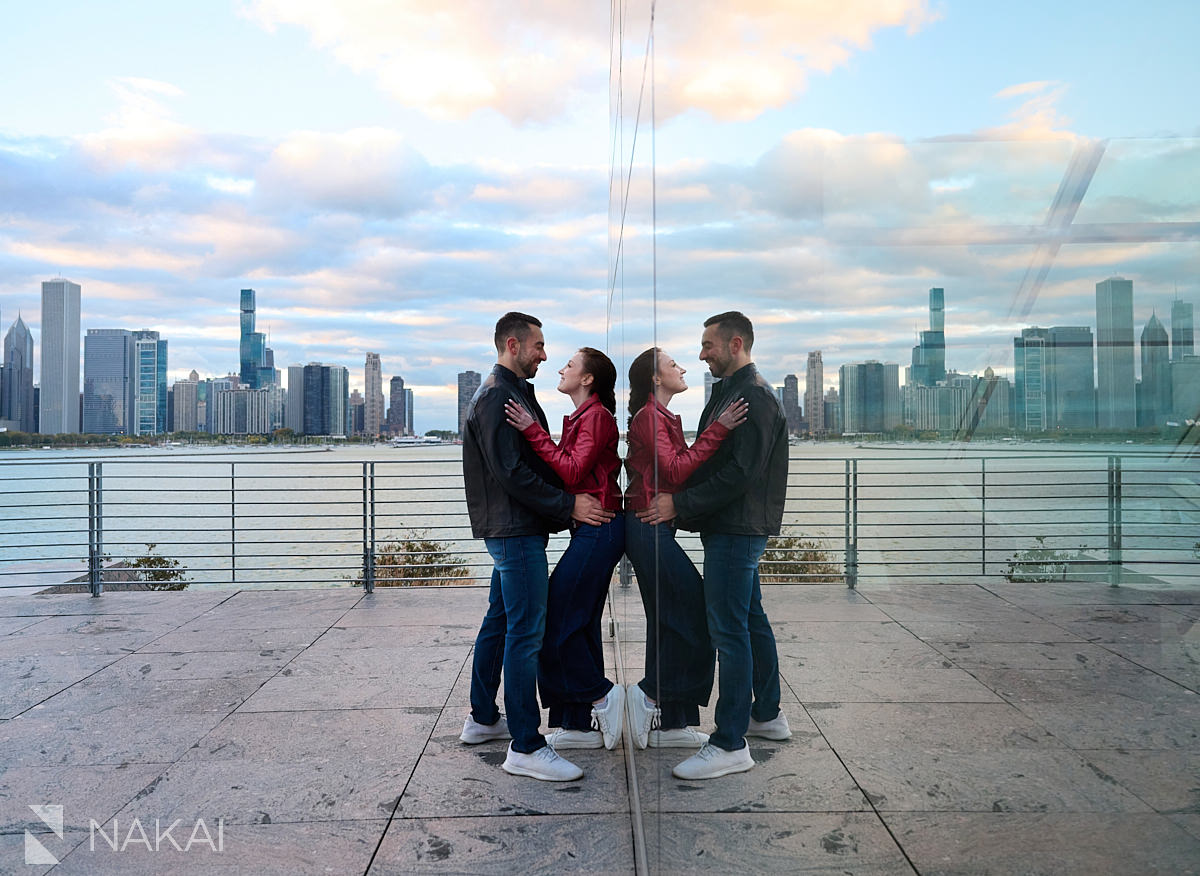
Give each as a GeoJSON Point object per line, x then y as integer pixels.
{"type": "Point", "coordinates": [1065, 391]}
{"type": "Point", "coordinates": [391, 194]}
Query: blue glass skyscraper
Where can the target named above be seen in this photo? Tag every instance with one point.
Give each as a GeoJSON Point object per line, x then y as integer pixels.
{"type": "Point", "coordinates": [257, 369]}
{"type": "Point", "coordinates": [929, 356]}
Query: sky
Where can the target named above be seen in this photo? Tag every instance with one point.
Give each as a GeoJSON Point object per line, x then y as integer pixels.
{"type": "Point", "coordinates": [391, 177]}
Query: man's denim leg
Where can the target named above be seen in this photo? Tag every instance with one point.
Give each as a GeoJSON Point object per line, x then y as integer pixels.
{"type": "Point", "coordinates": [765, 657]}
{"type": "Point", "coordinates": [488, 658]}
{"type": "Point", "coordinates": [730, 567]}
{"type": "Point", "coordinates": [524, 580]}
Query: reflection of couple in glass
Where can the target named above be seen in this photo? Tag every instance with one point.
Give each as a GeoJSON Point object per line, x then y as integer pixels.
{"type": "Point", "coordinates": [728, 487]}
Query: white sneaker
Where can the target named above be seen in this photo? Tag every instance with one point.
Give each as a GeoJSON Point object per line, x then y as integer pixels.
{"type": "Point", "coordinates": [643, 716]}
{"type": "Point", "coordinates": [607, 719]}
{"type": "Point", "coordinates": [777, 728]}
{"type": "Point", "coordinates": [474, 732]}
{"type": "Point", "coordinates": [543, 764]}
{"type": "Point", "coordinates": [680, 737]}
{"type": "Point", "coordinates": [563, 738]}
{"type": "Point", "coordinates": [710, 762]}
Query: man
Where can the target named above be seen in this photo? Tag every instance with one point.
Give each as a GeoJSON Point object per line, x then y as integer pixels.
{"type": "Point", "coordinates": [515, 501]}
{"type": "Point", "coordinates": [735, 500]}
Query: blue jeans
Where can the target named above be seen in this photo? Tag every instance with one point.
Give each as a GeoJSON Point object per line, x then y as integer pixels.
{"type": "Point", "coordinates": [742, 635]}
{"type": "Point", "coordinates": [680, 660]}
{"type": "Point", "coordinates": [511, 637]}
{"type": "Point", "coordinates": [571, 665]}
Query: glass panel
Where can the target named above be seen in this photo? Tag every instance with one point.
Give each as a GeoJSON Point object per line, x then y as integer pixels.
{"type": "Point", "coordinates": [982, 343]}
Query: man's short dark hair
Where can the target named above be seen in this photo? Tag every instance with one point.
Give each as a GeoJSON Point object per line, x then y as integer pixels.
{"type": "Point", "coordinates": [514, 325]}
{"type": "Point", "coordinates": [730, 323]}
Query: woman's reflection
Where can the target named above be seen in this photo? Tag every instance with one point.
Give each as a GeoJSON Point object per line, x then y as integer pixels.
{"type": "Point", "coordinates": [664, 707]}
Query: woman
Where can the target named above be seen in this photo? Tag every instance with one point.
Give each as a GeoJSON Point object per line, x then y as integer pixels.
{"type": "Point", "coordinates": [679, 656]}
{"type": "Point", "coordinates": [571, 666]}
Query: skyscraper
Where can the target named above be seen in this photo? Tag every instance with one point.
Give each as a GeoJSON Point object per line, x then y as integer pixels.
{"type": "Point", "coordinates": [108, 382]}
{"type": "Point", "coordinates": [1071, 378]}
{"type": "Point", "coordinates": [396, 419]}
{"type": "Point", "coordinates": [357, 413]}
{"type": "Point", "coordinates": [468, 382]}
{"type": "Point", "coordinates": [187, 405]}
{"type": "Point", "coordinates": [929, 356]}
{"type": "Point", "coordinates": [1183, 341]}
{"type": "Point", "coordinates": [791, 402]}
{"type": "Point", "coordinates": [709, 380]}
{"type": "Point", "coordinates": [408, 412]}
{"type": "Point", "coordinates": [294, 410]}
{"type": "Point", "coordinates": [870, 396]}
{"type": "Point", "coordinates": [326, 399]}
{"type": "Point", "coordinates": [1029, 379]}
{"type": "Point", "coordinates": [1154, 397]}
{"type": "Point", "coordinates": [373, 396]}
{"type": "Point", "coordinates": [242, 411]}
{"type": "Point", "coordinates": [1053, 376]}
{"type": "Point", "coordinates": [832, 412]}
{"type": "Point", "coordinates": [257, 359]}
{"type": "Point", "coordinates": [1116, 405]}
{"type": "Point", "coordinates": [149, 383]}
{"type": "Point", "coordinates": [59, 388]}
{"type": "Point", "coordinates": [16, 407]}
{"type": "Point", "coordinates": [814, 388]}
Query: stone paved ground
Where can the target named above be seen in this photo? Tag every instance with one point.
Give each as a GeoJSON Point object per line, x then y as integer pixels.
{"type": "Point", "coordinates": [938, 729]}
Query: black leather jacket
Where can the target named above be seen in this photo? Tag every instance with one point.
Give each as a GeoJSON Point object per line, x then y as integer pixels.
{"type": "Point", "coordinates": [510, 490]}
{"type": "Point", "coordinates": [740, 489]}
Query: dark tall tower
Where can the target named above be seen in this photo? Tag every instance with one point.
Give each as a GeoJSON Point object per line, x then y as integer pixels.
{"type": "Point", "coordinates": [468, 382]}
{"type": "Point", "coordinates": [17, 392]}
{"type": "Point", "coordinates": [929, 356]}
{"type": "Point", "coordinates": [1070, 378]}
{"type": "Point", "coordinates": [791, 402]}
{"type": "Point", "coordinates": [1154, 400]}
{"type": "Point", "coordinates": [257, 369]}
{"type": "Point", "coordinates": [1116, 406]}
{"type": "Point", "coordinates": [396, 419]}
{"type": "Point", "coordinates": [109, 372]}
{"type": "Point", "coordinates": [1183, 341]}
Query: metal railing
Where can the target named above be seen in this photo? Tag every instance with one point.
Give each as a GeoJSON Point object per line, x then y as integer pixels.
{"type": "Point", "coordinates": [302, 520]}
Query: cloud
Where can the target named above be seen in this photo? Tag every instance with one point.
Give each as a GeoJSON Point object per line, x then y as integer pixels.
{"type": "Point", "coordinates": [736, 61]}
{"type": "Point", "coordinates": [452, 59]}
{"type": "Point", "coordinates": [732, 61]}
{"type": "Point", "coordinates": [1037, 116]}
{"type": "Point", "coordinates": [367, 171]}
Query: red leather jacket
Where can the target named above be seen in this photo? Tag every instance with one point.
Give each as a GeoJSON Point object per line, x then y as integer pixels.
{"type": "Point", "coordinates": [586, 455]}
{"type": "Point", "coordinates": [656, 433]}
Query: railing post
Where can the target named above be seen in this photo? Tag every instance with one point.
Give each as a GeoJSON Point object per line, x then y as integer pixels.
{"type": "Point", "coordinates": [232, 523]}
{"type": "Point", "coordinates": [96, 528]}
{"type": "Point", "coordinates": [368, 526]}
{"type": "Point", "coordinates": [851, 523]}
{"type": "Point", "coordinates": [1114, 521]}
{"type": "Point", "coordinates": [983, 515]}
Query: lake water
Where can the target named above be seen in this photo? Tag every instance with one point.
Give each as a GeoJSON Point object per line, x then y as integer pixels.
{"type": "Point", "coordinates": [299, 517]}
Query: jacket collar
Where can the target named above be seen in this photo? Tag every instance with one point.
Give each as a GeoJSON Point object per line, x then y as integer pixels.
{"type": "Point", "coordinates": [660, 408]}
{"type": "Point", "coordinates": [591, 400]}
{"type": "Point", "coordinates": [746, 374]}
{"type": "Point", "coordinates": [508, 376]}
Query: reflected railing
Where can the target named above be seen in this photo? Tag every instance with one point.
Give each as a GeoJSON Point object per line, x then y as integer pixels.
{"type": "Point", "coordinates": [1112, 518]}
